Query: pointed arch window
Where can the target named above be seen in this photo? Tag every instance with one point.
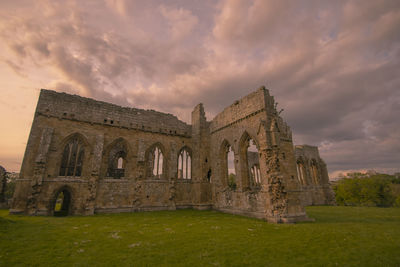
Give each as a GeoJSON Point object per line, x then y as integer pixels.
{"type": "Point", "coordinates": [230, 167]}
{"type": "Point", "coordinates": [227, 165]}
{"type": "Point", "coordinates": [184, 164]}
{"type": "Point", "coordinates": [156, 163]}
{"type": "Point", "coordinates": [117, 160]}
{"type": "Point", "coordinates": [72, 158]}
{"type": "Point", "coordinates": [253, 163]}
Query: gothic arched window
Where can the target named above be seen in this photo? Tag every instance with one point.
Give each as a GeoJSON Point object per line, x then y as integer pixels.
{"type": "Point", "coordinates": [155, 163]}
{"type": "Point", "coordinates": [249, 156]}
{"type": "Point", "coordinates": [184, 164]}
{"type": "Point", "coordinates": [72, 158]}
{"type": "Point", "coordinates": [117, 160]}
{"type": "Point", "coordinates": [227, 165]}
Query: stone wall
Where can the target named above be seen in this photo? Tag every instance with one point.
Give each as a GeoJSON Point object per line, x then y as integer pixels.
{"type": "Point", "coordinates": [93, 191]}
{"type": "Point", "coordinates": [277, 199]}
{"type": "Point", "coordinates": [313, 176]}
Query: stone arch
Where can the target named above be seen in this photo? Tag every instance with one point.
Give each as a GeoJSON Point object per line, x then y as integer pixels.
{"type": "Point", "coordinates": [156, 165]}
{"type": "Point", "coordinates": [184, 163]}
{"type": "Point", "coordinates": [246, 179]}
{"type": "Point", "coordinates": [73, 154]}
{"type": "Point", "coordinates": [65, 207]}
{"type": "Point", "coordinates": [225, 149]}
{"type": "Point", "coordinates": [117, 158]}
{"type": "Point", "coordinates": [83, 138]}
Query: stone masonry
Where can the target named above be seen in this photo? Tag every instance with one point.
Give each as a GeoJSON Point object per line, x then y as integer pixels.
{"type": "Point", "coordinates": [106, 158]}
{"type": "Point", "coordinates": [313, 177]}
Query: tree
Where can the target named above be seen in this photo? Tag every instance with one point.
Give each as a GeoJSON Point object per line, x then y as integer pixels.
{"type": "Point", "coordinates": [371, 189]}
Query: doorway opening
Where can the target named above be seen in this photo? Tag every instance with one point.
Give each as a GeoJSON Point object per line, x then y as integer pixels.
{"type": "Point", "coordinates": [62, 204]}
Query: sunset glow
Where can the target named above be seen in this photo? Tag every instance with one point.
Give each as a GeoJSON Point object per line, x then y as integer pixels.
{"type": "Point", "coordinates": [333, 66]}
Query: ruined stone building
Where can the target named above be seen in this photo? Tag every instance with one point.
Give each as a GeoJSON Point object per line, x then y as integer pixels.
{"type": "Point", "coordinates": [96, 157]}
{"type": "Point", "coordinates": [313, 177]}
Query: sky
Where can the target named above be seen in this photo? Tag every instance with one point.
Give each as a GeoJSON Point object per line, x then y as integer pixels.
{"type": "Point", "coordinates": [333, 66]}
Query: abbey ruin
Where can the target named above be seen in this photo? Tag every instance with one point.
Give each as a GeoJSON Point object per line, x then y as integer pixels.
{"type": "Point", "coordinates": [85, 156]}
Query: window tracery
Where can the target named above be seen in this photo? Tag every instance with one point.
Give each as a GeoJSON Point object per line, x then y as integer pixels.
{"type": "Point", "coordinates": [72, 158]}
{"type": "Point", "coordinates": [117, 160]}
{"type": "Point", "coordinates": [156, 163]}
{"type": "Point", "coordinates": [184, 164]}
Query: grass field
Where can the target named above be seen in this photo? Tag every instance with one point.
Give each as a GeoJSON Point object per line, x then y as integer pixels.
{"type": "Point", "coordinates": [340, 236]}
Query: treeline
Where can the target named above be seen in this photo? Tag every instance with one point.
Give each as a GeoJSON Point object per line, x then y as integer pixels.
{"type": "Point", "coordinates": [368, 189]}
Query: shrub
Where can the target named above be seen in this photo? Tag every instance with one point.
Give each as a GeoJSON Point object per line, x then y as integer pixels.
{"type": "Point", "coordinates": [232, 181]}
{"type": "Point", "coordinates": [374, 190]}
{"type": "Point", "coordinates": [397, 202]}
{"type": "Point", "coordinates": [10, 185]}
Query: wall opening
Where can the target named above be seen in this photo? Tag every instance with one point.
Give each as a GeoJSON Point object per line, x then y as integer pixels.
{"type": "Point", "coordinates": [156, 163]}
{"type": "Point", "coordinates": [62, 203]}
{"type": "Point", "coordinates": [253, 164]}
{"type": "Point", "coordinates": [117, 159]}
{"type": "Point", "coordinates": [120, 163]}
{"type": "Point", "coordinates": [231, 170]}
{"type": "Point", "coordinates": [227, 165]}
{"type": "Point", "coordinates": [184, 164]}
{"type": "Point", "coordinates": [250, 175]}
{"type": "Point", "coordinates": [72, 158]}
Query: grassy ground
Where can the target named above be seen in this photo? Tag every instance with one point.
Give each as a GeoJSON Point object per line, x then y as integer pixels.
{"type": "Point", "coordinates": [340, 236]}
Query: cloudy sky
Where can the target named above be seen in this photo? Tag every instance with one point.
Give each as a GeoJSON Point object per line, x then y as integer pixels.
{"type": "Point", "coordinates": [334, 66]}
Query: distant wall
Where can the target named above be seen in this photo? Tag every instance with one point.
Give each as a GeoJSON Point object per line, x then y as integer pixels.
{"type": "Point", "coordinates": [313, 176]}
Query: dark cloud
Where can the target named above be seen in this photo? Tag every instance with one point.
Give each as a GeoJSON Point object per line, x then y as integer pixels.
{"type": "Point", "coordinates": [332, 65]}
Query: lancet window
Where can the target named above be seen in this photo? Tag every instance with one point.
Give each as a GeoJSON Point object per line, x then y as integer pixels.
{"type": "Point", "coordinates": [184, 164]}
{"type": "Point", "coordinates": [255, 174]}
{"type": "Point", "coordinates": [253, 163]}
{"type": "Point", "coordinates": [117, 160]}
{"type": "Point", "coordinates": [156, 162]}
{"type": "Point", "coordinates": [227, 167]}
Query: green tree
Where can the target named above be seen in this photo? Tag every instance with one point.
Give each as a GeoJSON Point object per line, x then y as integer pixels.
{"type": "Point", "coordinates": [371, 189]}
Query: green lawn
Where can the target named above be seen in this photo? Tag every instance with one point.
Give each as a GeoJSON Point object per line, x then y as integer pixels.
{"type": "Point", "coordinates": [340, 236]}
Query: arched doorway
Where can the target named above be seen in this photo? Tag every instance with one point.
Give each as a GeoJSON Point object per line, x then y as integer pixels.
{"type": "Point", "coordinates": [62, 203]}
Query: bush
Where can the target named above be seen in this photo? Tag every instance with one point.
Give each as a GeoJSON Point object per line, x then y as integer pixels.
{"type": "Point", "coordinates": [397, 202]}
{"type": "Point", "coordinates": [374, 191]}
{"type": "Point", "coordinates": [10, 185]}
{"type": "Point", "coordinates": [232, 181]}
